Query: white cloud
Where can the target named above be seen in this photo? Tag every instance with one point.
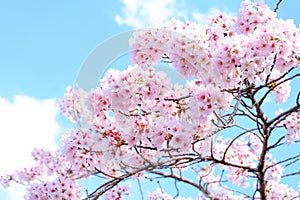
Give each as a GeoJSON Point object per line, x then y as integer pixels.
{"type": "Point", "coordinates": [199, 17]}
{"type": "Point", "coordinates": [25, 123]}
{"type": "Point", "coordinates": [139, 14]}
{"type": "Point", "coordinates": [202, 17]}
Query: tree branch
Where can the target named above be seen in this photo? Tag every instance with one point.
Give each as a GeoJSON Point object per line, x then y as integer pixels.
{"type": "Point", "coordinates": [277, 5]}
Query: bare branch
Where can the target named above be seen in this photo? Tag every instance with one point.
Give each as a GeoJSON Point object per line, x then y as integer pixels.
{"type": "Point", "coordinates": [283, 115]}
{"type": "Point", "coordinates": [180, 98]}
{"type": "Point", "coordinates": [141, 189]}
{"type": "Point", "coordinates": [294, 158]}
{"type": "Point", "coordinates": [273, 84]}
{"type": "Point", "coordinates": [291, 174]}
{"type": "Point", "coordinates": [277, 5]}
{"type": "Point", "coordinates": [232, 141]}
{"type": "Point", "coordinates": [184, 180]}
{"type": "Point", "coordinates": [110, 184]}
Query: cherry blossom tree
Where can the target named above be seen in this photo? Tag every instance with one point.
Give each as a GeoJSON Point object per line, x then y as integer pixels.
{"type": "Point", "coordinates": [219, 133]}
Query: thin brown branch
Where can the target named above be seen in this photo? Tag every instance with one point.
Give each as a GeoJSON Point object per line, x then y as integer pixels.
{"type": "Point", "coordinates": [291, 174]}
{"type": "Point", "coordinates": [112, 183]}
{"type": "Point", "coordinates": [179, 99]}
{"type": "Point", "coordinates": [217, 161]}
{"type": "Point", "coordinates": [232, 141]}
{"type": "Point", "coordinates": [235, 108]}
{"type": "Point", "coordinates": [283, 115]}
{"type": "Point", "coordinates": [184, 180]}
{"type": "Point", "coordinates": [277, 5]}
{"type": "Point", "coordinates": [276, 143]}
{"type": "Point", "coordinates": [294, 159]}
{"type": "Point", "coordinates": [273, 85]}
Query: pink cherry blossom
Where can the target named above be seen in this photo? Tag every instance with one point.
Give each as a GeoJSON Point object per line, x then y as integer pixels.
{"type": "Point", "coordinates": [136, 123]}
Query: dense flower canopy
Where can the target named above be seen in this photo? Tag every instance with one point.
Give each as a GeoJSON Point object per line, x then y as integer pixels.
{"type": "Point", "coordinates": [137, 121]}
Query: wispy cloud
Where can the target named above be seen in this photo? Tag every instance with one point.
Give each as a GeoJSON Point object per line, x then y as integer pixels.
{"type": "Point", "coordinates": [202, 17]}
{"type": "Point", "coordinates": [139, 14]}
{"type": "Point", "coordinates": [25, 123]}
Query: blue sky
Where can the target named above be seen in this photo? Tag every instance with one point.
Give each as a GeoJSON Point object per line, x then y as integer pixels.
{"type": "Point", "coordinates": [44, 43]}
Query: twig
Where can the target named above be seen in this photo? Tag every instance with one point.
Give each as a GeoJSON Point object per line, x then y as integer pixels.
{"type": "Point", "coordinates": [140, 188]}
{"type": "Point", "coordinates": [277, 5]}
{"type": "Point", "coordinates": [184, 180]}
{"type": "Point", "coordinates": [179, 99]}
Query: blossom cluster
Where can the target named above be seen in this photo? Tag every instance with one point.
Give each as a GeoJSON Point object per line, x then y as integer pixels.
{"type": "Point", "coordinates": [159, 194]}
{"type": "Point", "coordinates": [138, 118]}
{"type": "Point", "coordinates": [116, 193]}
{"type": "Point", "coordinates": [61, 188]}
{"type": "Point", "coordinates": [249, 46]}
{"type": "Point", "coordinates": [292, 124]}
{"type": "Point", "coordinates": [244, 152]}
{"type": "Point", "coordinates": [275, 189]}
{"type": "Point", "coordinates": [51, 177]}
